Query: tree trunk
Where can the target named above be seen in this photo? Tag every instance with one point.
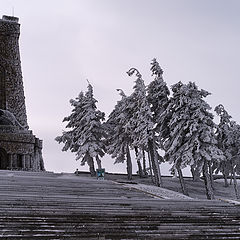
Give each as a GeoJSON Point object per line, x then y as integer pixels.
{"type": "Point", "coordinates": [140, 170]}
{"type": "Point", "coordinates": [195, 174]}
{"type": "Point", "coordinates": [182, 182]}
{"type": "Point", "coordinates": [99, 163]}
{"type": "Point", "coordinates": [235, 182]}
{"type": "Point", "coordinates": [91, 165]}
{"type": "Point", "coordinates": [192, 169]}
{"type": "Point", "coordinates": [225, 174]}
{"type": "Point", "coordinates": [211, 174]}
{"type": "Point", "coordinates": [225, 179]}
{"type": "Point", "coordinates": [150, 167]}
{"type": "Point", "coordinates": [129, 164]}
{"type": "Point", "coordinates": [155, 165]}
{"type": "Point", "coordinates": [231, 179]}
{"type": "Point", "coordinates": [207, 181]}
{"type": "Point", "coordinates": [144, 163]}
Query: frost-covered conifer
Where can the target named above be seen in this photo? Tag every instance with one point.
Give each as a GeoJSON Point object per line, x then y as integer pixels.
{"type": "Point", "coordinates": [192, 140]}
{"type": "Point", "coordinates": [118, 138]}
{"type": "Point", "coordinates": [158, 97]}
{"type": "Point", "coordinates": [224, 136]}
{"type": "Point", "coordinates": [85, 134]}
{"type": "Point", "coordinates": [228, 136]}
{"type": "Point", "coordinates": [141, 121]}
{"type": "Point", "coordinates": [236, 149]}
{"type": "Point", "coordinates": [141, 125]}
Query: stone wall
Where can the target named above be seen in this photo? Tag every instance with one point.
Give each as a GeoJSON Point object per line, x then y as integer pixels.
{"type": "Point", "coordinates": [16, 141]}
{"type": "Point", "coordinates": [11, 85]}
{"type": "Point", "coordinates": [2, 89]}
{"type": "Point", "coordinates": [19, 148]}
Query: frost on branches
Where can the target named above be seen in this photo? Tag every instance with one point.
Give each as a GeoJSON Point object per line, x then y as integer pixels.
{"type": "Point", "coordinates": [118, 137]}
{"type": "Point", "coordinates": [228, 136]}
{"type": "Point", "coordinates": [85, 134]}
{"type": "Point", "coordinates": [192, 140]}
{"type": "Point", "coordinates": [158, 97]}
{"type": "Point", "coordinates": [142, 126]}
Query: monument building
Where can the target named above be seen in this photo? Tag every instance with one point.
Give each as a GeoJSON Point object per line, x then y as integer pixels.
{"type": "Point", "coordinates": [19, 148]}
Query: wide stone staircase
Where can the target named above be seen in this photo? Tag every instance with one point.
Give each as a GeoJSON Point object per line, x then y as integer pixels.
{"type": "Point", "coordinates": [63, 206]}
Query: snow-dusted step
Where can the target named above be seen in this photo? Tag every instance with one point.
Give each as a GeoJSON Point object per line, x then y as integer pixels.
{"type": "Point", "coordinates": [62, 206]}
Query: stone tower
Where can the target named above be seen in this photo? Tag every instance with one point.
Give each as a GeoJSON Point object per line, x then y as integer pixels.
{"type": "Point", "coordinates": [19, 148]}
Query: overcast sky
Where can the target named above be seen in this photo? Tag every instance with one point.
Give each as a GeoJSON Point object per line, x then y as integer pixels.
{"type": "Point", "coordinates": [65, 42]}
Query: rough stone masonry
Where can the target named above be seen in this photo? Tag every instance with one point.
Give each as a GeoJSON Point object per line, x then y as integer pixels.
{"type": "Point", "coordinates": [19, 148]}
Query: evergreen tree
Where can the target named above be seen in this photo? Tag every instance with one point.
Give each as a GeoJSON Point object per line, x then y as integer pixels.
{"type": "Point", "coordinates": [141, 125]}
{"type": "Point", "coordinates": [158, 98]}
{"type": "Point", "coordinates": [85, 136]}
{"type": "Point", "coordinates": [192, 139]}
{"type": "Point", "coordinates": [223, 136]}
{"type": "Point", "coordinates": [236, 148]}
{"type": "Point", "coordinates": [118, 138]}
{"type": "Point", "coordinates": [228, 136]}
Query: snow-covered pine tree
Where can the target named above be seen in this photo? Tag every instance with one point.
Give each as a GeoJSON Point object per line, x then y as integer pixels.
{"type": "Point", "coordinates": [223, 136]}
{"type": "Point", "coordinates": [118, 138]}
{"type": "Point", "coordinates": [141, 125]}
{"type": "Point", "coordinates": [158, 97]}
{"type": "Point", "coordinates": [228, 136]}
{"type": "Point", "coordinates": [85, 134]}
{"type": "Point", "coordinates": [192, 140]}
{"type": "Point", "coordinates": [236, 139]}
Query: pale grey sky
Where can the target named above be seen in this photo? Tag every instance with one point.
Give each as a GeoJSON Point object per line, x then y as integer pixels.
{"type": "Point", "coordinates": [65, 42]}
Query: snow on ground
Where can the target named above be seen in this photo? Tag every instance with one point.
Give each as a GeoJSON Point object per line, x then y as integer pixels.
{"type": "Point", "coordinates": [235, 202]}
{"type": "Point", "coordinates": [164, 193]}
{"type": "Point", "coordinates": [157, 192]}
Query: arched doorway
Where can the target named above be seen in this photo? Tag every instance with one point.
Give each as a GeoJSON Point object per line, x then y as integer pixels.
{"type": "Point", "coordinates": [3, 159]}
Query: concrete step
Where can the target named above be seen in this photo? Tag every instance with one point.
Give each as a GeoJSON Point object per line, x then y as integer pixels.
{"type": "Point", "coordinates": [56, 206]}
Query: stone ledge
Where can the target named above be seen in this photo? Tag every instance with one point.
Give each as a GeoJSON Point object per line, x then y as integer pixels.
{"type": "Point", "coordinates": [17, 137]}
{"type": "Point", "coordinates": [10, 18]}
{"type": "Point", "coordinates": [9, 27]}
{"type": "Point", "coordinates": [13, 129]}
{"type": "Point", "coordinates": [17, 147]}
